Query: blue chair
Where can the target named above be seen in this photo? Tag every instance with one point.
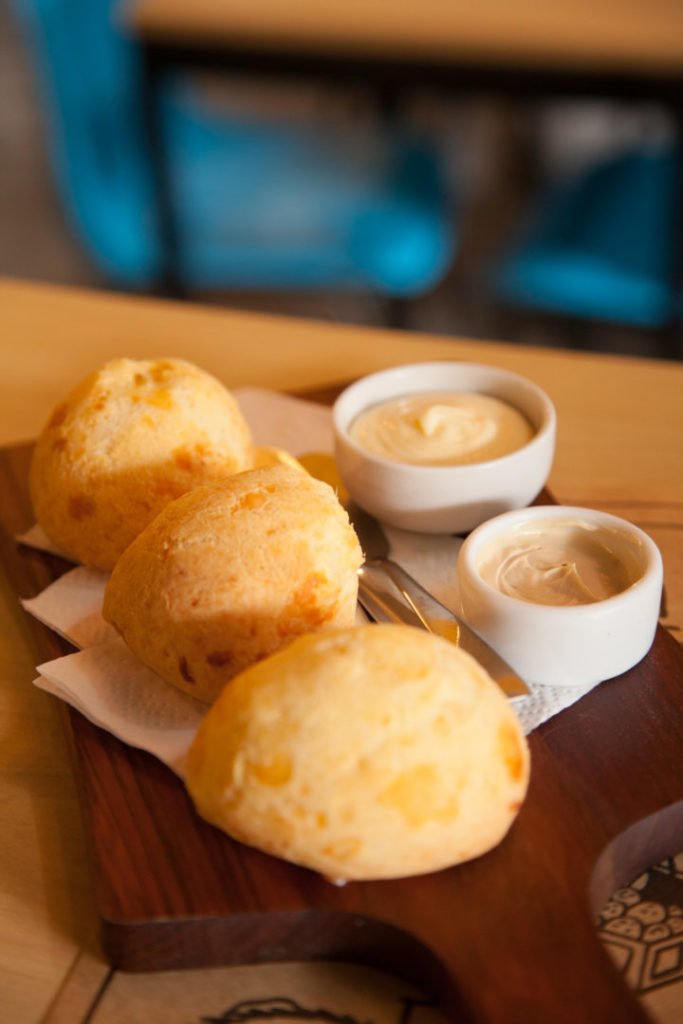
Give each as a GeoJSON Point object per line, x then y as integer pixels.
{"type": "Point", "coordinates": [263, 205]}
{"type": "Point", "coordinates": [602, 246]}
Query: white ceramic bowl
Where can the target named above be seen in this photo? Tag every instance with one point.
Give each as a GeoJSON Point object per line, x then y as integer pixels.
{"type": "Point", "coordinates": [444, 499]}
{"type": "Point", "coordinates": [557, 645]}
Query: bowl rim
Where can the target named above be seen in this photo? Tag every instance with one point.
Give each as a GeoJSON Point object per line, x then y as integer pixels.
{"type": "Point", "coordinates": [542, 434]}
{"type": "Point", "coordinates": [652, 569]}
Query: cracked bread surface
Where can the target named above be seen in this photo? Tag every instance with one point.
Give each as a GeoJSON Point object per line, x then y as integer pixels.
{"type": "Point", "coordinates": [231, 572]}
{"type": "Point", "coordinates": [131, 437]}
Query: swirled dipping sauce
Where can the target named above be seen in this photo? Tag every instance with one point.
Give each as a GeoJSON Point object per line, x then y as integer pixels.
{"type": "Point", "coordinates": [435, 429]}
{"type": "Point", "coordinates": [560, 562]}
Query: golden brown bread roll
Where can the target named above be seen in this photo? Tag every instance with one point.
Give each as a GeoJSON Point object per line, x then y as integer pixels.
{"type": "Point", "coordinates": [131, 437]}
{"type": "Point", "coordinates": [231, 572]}
{"type": "Point", "coordinates": [374, 752]}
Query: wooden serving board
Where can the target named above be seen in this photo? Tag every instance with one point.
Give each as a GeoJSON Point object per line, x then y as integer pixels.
{"type": "Point", "coordinates": [507, 937]}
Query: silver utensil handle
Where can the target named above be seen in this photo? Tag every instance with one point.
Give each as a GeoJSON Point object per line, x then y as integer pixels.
{"type": "Point", "coordinates": [377, 595]}
{"type": "Point", "coordinates": [425, 604]}
{"type": "Point", "coordinates": [390, 594]}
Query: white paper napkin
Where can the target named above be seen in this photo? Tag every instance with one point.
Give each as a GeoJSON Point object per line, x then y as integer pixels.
{"type": "Point", "coordinates": [72, 606]}
{"type": "Point", "coordinates": [112, 688]}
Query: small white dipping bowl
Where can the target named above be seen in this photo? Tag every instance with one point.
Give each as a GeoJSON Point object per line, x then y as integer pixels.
{"type": "Point", "coordinates": [577, 645]}
{"type": "Point", "coordinates": [444, 499]}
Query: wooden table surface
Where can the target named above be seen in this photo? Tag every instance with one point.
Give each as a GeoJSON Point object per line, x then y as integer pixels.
{"type": "Point", "coordinates": [624, 35]}
{"type": "Point", "coordinates": [619, 448]}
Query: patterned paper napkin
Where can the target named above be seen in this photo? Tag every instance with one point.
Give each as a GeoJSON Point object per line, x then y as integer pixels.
{"type": "Point", "coordinates": [112, 688]}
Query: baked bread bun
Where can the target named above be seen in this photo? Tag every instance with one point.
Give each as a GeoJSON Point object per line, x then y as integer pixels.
{"type": "Point", "coordinates": [231, 572]}
{"type": "Point", "coordinates": [374, 752]}
{"type": "Point", "coordinates": [131, 437]}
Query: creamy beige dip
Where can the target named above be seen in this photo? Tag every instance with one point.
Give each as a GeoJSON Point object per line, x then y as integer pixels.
{"type": "Point", "coordinates": [435, 429]}
{"type": "Point", "coordinates": [559, 562]}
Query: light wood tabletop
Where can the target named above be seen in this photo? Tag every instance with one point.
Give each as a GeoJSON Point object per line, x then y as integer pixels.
{"type": "Point", "coordinates": [624, 35]}
{"type": "Point", "coordinates": [619, 448]}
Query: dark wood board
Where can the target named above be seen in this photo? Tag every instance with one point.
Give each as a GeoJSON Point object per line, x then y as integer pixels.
{"type": "Point", "coordinates": [507, 937]}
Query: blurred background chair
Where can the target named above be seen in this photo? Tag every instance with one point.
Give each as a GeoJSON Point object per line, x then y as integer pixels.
{"type": "Point", "coordinates": [257, 203]}
{"type": "Point", "coordinates": [602, 245]}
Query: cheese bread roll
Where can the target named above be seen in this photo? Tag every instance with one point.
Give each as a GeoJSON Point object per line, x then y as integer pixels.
{"type": "Point", "coordinates": [375, 752]}
{"type": "Point", "coordinates": [231, 572]}
{"type": "Point", "coordinates": [130, 438]}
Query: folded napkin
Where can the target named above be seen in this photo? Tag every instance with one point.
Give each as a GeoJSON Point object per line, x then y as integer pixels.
{"type": "Point", "coordinates": [113, 689]}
